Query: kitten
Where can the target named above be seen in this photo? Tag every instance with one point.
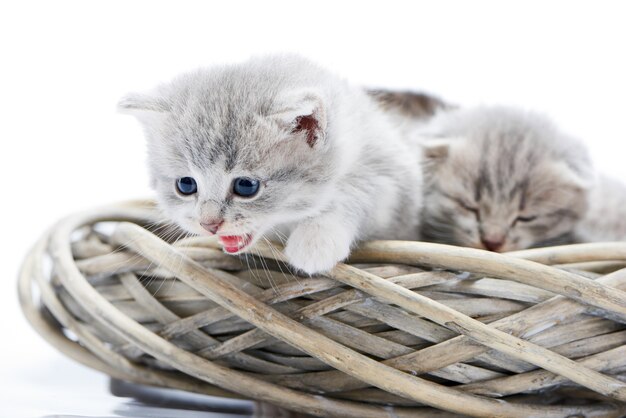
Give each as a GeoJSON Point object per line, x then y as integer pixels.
{"type": "Point", "coordinates": [277, 142]}
{"type": "Point", "coordinates": [605, 219]}
{"type": "Point", "coordinates": [501, 179]}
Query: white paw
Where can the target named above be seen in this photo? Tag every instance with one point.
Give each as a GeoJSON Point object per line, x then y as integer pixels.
{"type": "Point", "coordinates": [313, 249]}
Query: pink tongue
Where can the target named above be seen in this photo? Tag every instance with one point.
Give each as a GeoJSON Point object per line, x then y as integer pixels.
{"type": "Point", "coordinates": [231, 240]}
{"type": "Point", "coordinates": [233, 243]}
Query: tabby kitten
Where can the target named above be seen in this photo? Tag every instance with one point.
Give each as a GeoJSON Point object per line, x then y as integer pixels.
{"type": "Point", "coordinates": [501, 179]}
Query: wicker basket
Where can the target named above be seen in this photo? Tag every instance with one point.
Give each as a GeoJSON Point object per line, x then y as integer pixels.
{"type": "Point", "coordinates": [407, 329]}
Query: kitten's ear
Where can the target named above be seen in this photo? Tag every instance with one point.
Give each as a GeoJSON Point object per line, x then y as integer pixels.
{"type": "Point", "coordinates": [557, 184]}
{"type": "Point", "coordinates": [142, 106]}
{"type": "Point", "coordinates": [569, 177]}
{"type": "Point", "coordinates": [303, 114]}
{"type": "Point", "coordinates": [436, 150]}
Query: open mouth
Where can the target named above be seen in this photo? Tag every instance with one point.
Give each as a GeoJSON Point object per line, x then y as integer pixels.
{"type": "Point", "coordinates": [234, 243]}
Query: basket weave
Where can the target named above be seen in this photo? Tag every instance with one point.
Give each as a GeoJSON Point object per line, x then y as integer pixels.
{"type": "Point", "coordinates": [407, 329]}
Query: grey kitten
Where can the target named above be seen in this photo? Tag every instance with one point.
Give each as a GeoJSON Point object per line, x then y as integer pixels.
{"type": "Point", "coordinates": [277, 143]}
{"type": "Point", "coordinates": [501, 179]}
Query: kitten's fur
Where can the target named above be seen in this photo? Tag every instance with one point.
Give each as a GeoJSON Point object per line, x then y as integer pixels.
{"type": "Point", "coordinates": [415, 105]}
{"type": "Point", "coordinates": [501, 179]}
{"type": "Point", "coordinates": [408, 110]}
{"type": "Point", "coordinates": [606, 218]}
{"type": "Point", "coordinates": [346, 174]}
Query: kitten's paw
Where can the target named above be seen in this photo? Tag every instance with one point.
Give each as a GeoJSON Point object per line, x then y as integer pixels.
{"type": "Point", "coordinates": [316, 249]}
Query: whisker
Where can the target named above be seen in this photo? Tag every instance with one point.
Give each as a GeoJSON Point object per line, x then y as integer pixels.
{"type": "Point", "coordinates": [180, 263]}
{"type": "Point", "coordinates": [187, 235]}
{"type": "Point", "coordinates": [281, 237]}
{"type": "Point", "coordinates": [253, 271]}
{"type": "Point", "coordinates": [266, 270]}
{"type": "Point", "coordinates": [276, 252]}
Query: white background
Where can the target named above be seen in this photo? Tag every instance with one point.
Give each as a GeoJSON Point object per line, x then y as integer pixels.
{"type": "Point", "coordinates": [64, 64]}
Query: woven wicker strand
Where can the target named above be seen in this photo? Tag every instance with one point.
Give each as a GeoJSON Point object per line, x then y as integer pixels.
{"type": "Point", "coordinates": [406, 329]}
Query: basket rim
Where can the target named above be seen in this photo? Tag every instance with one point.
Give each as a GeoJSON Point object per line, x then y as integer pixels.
{"type": "Point", "coordinates": [265, 318]}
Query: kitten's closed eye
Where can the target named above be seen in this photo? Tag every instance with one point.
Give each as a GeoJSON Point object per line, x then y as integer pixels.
{"type": "Point", "coordinates": [524, 219]}
{"type": "Point", "coordinates": [468, 207]}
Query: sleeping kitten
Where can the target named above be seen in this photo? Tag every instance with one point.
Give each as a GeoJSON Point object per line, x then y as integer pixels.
{"type": "Point", "coordinates": [277, 142]}
{"type": "Point", "coordinates": [501, 179]}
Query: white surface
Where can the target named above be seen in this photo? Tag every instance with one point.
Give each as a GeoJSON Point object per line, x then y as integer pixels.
{"type": "Point", "coordinates": [66, 63]}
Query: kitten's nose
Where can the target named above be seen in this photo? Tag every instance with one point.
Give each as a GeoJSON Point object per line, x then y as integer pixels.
{"type": "Point", "coordinates": [212, 225]}
{"type": "Point", "coordinates": [493, 244]}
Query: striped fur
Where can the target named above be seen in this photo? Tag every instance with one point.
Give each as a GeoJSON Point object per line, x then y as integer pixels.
{"type": "Point", "coordinates": [502, 179]}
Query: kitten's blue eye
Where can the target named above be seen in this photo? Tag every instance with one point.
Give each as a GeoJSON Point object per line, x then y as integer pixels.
{"type": "Point", "coordinates": [245, 187]}
{"type": "Point", "coordinates": [186, 185]}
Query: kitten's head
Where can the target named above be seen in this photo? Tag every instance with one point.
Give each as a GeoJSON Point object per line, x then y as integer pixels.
{"type": "Point", "coordinates": [236, 151]}
{"type": "Point", "coordinates": [502, 180]}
